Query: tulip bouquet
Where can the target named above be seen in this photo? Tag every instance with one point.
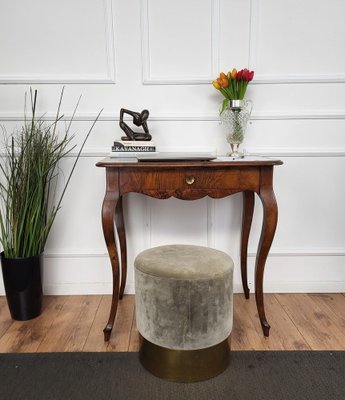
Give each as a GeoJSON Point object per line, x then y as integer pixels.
{"type": "Point", "coordinates": [234, 111]}
{"type": "Point", "coordinates": [233, 86]}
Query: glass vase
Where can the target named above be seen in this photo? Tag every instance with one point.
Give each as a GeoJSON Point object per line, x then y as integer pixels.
{"type": "Point", "coordinates": [235, 118]}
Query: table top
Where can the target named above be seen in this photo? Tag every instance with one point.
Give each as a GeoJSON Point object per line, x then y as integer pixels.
{"type": "Point", "coordinates": [247, 161]}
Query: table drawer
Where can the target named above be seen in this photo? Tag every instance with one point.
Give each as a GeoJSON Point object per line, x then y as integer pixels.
{"type": "Point", "coordinates": [193, 178]}
{"type": "Point", "coordinates": [209, 179]}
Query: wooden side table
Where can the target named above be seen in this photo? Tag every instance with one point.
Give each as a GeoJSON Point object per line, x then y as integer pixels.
{"type": "Point", "coordinates": [190, 181]}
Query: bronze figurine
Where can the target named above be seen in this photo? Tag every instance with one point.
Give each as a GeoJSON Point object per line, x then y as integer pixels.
{"type": "Point", "coordinates": [139, 119]}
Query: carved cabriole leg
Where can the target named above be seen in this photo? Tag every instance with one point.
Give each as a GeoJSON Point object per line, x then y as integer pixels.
{"type": "Point", "coordinates": [120, 226]}
{"type": "Point", "coordinates": [248, 209]}
{"type": "Point", "coordinates": [108, 212]}
{"type": "Point", "coordinates": [270, 218]}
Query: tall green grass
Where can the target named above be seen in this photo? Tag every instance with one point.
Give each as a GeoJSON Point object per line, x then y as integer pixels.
{"type": "Point", "coordinates": [29, 172]}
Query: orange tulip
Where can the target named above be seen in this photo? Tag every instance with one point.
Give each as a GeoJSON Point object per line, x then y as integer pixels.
{"type": "Point", "coordinates": [234, 73]}
{"type": "Point", "coordinates": [224, 83]}
{"type": "Point", "coordinates": [223, 80]}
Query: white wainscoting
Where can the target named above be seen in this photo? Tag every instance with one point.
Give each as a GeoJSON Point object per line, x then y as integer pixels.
{"type": "Point", "coordinates": [159, 63]}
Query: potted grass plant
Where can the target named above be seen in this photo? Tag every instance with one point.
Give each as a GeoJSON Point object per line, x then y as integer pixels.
{"type": "Point", "coordinates": [29, 171]}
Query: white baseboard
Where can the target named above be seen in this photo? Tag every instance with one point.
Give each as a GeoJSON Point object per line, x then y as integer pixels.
{"type": "Point", "coordinates": [297, 287]}
{"type": "Point", "coordinates": [85, 288]}
{"type": "Point", "coordinates": [270, 287]}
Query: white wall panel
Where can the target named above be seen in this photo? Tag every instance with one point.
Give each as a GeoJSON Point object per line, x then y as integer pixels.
{"type": "Point", "coordinates": [179, 40]}
{"type": "Point", "coordinates": [300, 38]}
{"type": "Point", "coordinates": [82, 202]}
{"type": "Point", "coordinates": [307, 198]}
{"type": "Point", "coordinates": [310, 200]}
{"type": "Point", "coordinates": [178, 221]}
{"type": "Point", "coordinates": [48, 41]}
{"type": "Point", "coordinates": [235, 32]}
{"type": "Point", "coordinates": [297, 138]}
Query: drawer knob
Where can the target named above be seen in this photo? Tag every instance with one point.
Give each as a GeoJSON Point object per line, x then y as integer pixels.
{"type": "Point", "coordinates": [190, 180]}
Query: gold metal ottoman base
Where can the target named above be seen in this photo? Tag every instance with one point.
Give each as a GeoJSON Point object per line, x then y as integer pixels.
{"type": "Point", "coordinates": [185, 365]}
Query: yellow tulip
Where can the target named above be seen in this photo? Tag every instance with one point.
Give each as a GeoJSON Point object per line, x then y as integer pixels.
{"type": "Point", "coordinates": [234, 73]}
{"type": "Point", "coordinates": [216, 85]}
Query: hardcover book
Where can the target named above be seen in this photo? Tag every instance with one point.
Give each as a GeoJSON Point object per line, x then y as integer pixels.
{"type": "Point", "coordinates": [125, 149]}
{"type": "Point", "coordinates": [134, 143]}
{"type": "Point", "coordinates": [129, 154]}
{"type": "Point", "coordinates": [130, 146]}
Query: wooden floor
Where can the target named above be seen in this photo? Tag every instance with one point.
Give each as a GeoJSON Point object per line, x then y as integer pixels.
{"type": "Point", "coordinates": [75, 323]}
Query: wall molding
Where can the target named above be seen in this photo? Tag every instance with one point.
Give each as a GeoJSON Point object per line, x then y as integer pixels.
{"type": "Point", "coordinates": [148, 222]}
{"type": "Point", "coordinates": [210, 222]}
{"type": "Point", "coordinates": [149, 79]}
{"type": "Point", "coordinates": [107, 78]}
{"type": "Point", "coordinates": [260, 79]}
{"type": "Point", "coordinates": [296, 152]}
{"type": "Point", "coordinates": [297, 79]}
{"type": "Point", "coordinates": [275, 252]}
{"type": "Point", "coordinates": [109, 40]}
{"type": "Point", "coordinates": [303, 252]}
{"type": "Point", "coordinates": [190, 116]}
{"type": "Point", "coordinates": [260, 151]}
{"type": "Point", "coordinates": [253, 29]}
{"type": "Point", "coordinates": [98, 152]}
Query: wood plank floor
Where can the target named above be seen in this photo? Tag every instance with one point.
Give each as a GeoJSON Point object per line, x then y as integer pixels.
{"type": "Point", "coordinates": [75, 323]}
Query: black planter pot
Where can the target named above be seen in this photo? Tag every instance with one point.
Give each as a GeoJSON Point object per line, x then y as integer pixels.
{"type": "Point", "coordinates": [23, 286]}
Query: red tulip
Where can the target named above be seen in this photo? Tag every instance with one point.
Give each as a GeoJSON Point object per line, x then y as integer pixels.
{"type": "Point", "coordinates": [245, 75]}
{"type": "Point", "coordinates": [239, 75]}
{"type": "Point", "coordinates": [251, 75]}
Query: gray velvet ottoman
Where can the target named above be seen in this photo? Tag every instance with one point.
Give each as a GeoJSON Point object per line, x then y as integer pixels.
{"type": "Point", "coordinates": [184, 311]}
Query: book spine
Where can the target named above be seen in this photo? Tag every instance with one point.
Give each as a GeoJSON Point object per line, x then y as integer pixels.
{"type": "Point", "coordinates": [128, 154]}
{"type": "Point", "coordinates": [133, 143]}
{"type": "Point", "coordinates": [129, 149]}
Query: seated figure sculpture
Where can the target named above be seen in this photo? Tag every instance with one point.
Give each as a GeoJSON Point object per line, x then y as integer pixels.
{"type": "Point", "coordinates": [139, 119]}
